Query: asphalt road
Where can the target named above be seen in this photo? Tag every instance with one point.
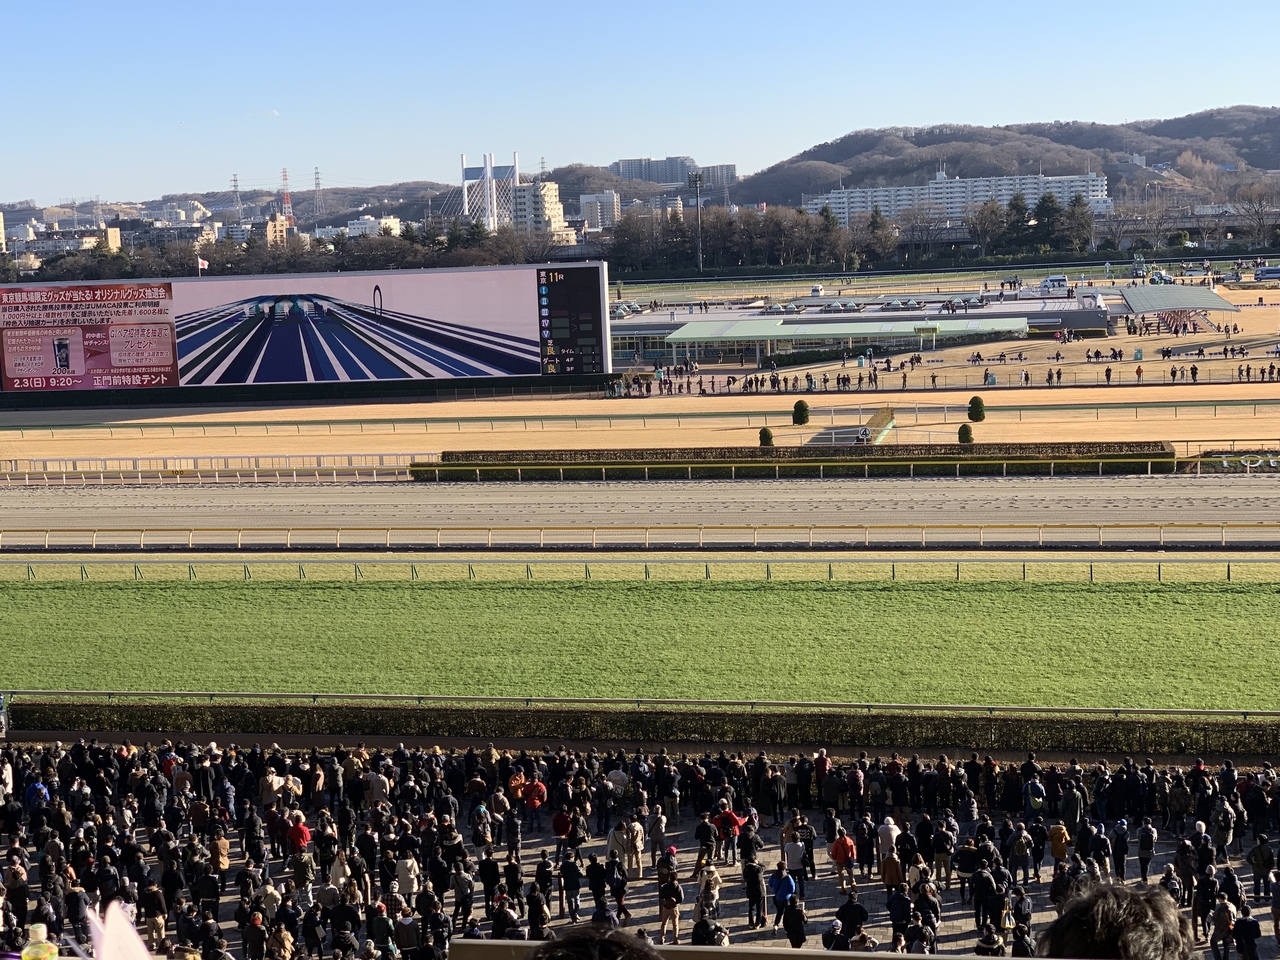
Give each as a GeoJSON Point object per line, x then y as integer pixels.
{"type": "Point", "coordinates": [1105, 501]}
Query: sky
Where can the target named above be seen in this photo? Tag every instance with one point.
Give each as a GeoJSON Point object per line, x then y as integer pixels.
{"type": "Point", "coordinates": [134, 100]}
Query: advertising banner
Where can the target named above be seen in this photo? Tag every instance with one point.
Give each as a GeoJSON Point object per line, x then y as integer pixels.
{"type": "Point", "coordinates": [87, 337]}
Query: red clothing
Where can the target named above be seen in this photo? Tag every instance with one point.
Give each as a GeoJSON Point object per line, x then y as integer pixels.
{"type": "Point", "coordinates": [843, 851]}
{"type": "Point", "coordinates": [535, 794]}
{"type": "Point", "coordinates": [299, 837]}
{"type": "Point", "coordinates": [728, 823]}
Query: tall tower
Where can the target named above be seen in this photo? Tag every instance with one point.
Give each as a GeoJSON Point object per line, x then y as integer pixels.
{"type": "Point", "coordinates": [286, 200]}
{"type": "Point", "coordinates": [488, 191]}
{"type": "Point", "coordinates": [319, 212]}
{"type": "Point", "coordinates": [235, 189]}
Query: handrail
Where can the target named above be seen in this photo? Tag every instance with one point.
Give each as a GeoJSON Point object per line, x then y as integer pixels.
{"type": "Point", "coordinates": [653, 535]}
{"type": "Point", "coordinates": [865, 707]}
{"type": "Point", "coordinates": [820, 402]}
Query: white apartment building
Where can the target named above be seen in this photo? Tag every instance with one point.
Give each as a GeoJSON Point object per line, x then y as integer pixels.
{"type": "Point", "coordinates": [600, 210]}
{"type": "Point", "coordinates": [536, 208]}
{"type": "Point", "coordinates": [956, 197]}
{"type": "Point", "coordinates": [717, 176]}
{"type": "Point", "coordinates": [3, 248]}
{"type": "Point", "coordinates": [368, 226]}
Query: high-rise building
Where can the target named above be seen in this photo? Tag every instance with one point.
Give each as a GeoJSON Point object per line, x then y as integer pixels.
{"type": "Point", "coordinates": [719, 175]}
{"type": "Point", "coordinates": [3, 248]}
{"type": "Point", "coordinates": [536, 208]}
{"type": "Point", "coordinates": [669, 170]}
{"type": "Point", "coordinates": [957, 197]}
{"type": "Point", "coordinates": [600, 210]}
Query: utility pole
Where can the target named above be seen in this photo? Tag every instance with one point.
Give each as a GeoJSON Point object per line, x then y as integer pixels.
{"type": "Point", "coordinates": [695, 183]}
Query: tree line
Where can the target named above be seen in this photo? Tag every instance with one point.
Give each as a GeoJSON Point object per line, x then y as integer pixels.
{"type": "Point", "coordinates": [652, 241]}
{"type": "Point", "coordinates": [460, 245]}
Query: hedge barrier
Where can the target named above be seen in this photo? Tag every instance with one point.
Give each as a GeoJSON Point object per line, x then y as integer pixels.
{"type": "Point", "coordinates": [914, 731]}
{"type": "Point", "coordinates": [828, 462]}
{"type": "Point", "coordinates": [908, 451]}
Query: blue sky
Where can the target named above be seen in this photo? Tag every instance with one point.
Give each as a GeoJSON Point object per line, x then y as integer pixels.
{"type": "Point", "coordinates": [133, 100]}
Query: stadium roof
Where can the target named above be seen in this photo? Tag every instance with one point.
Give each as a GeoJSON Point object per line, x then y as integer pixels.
{"type": "Point", "coordinates": [786, 328]}
{"type": "Point", "coordinates": [1161, 297]}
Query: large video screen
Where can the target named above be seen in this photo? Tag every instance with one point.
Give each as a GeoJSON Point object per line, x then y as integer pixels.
{"type": "Point", "coordinates": [521, 321]}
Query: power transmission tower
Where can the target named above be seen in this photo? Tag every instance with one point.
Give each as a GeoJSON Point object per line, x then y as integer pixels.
{"type": "Point", "coordinates": [286, 199]}
{"type": "Point", "coordinates": [235, 189]}
{"type": "Point", "coordinates": [319, 212]}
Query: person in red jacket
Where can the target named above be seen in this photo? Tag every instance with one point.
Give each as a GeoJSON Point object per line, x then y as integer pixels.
{"type": "Point", "coordinates": [561, 826]}
{"type": "Point", "coordinates": [727, 823]}
{"type": "Point", "coordinates": [299, 834]}
{"type": "Point", "coordinates": [535, 798]}
{"type": "Point", "coordinates": [844, 853]}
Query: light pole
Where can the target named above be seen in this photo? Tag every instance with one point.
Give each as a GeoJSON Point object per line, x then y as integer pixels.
{"type": "Point", "coordinates": [695, 183]}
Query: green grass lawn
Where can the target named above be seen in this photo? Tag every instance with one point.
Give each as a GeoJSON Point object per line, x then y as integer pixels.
{"type": "Point", "coordinates": [1060, 644]}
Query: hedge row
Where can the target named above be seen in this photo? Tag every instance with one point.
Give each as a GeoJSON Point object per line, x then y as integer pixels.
{"type": "Point", "coordinates": [1086, 734]}
{"type": "Point", "coordinates": [980, 451]}
{"type": "Point", "coordinates": [854, 470]}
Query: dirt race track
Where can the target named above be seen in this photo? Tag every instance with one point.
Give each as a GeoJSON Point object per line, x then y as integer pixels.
{"type": "Point", "coordinates": [1157, 410]}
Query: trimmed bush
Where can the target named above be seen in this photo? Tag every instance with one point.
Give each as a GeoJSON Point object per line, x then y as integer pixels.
{"type": "Point", "coordinates": [848, 730]}
{"type": "Point", "coordinates": [766, 437]}
{"type": "Point", "coordinates": [977, 412]}
{"type": "Point", "coordinates": [966, 433]}
{"type": "Point", "coordinates": [800, 413]}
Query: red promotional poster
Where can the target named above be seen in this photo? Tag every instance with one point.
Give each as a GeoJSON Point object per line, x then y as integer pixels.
{"type": "Point", "coordinates": [88, 337]}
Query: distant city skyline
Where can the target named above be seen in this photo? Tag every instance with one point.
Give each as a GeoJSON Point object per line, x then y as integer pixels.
{"type": "Point", "coordinates": [130, 103]}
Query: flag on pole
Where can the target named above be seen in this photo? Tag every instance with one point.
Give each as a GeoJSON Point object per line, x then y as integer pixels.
{"type": "Point", "coordinates": [115, 938]}
{"type": "Point", "coordinates": [202, 264]}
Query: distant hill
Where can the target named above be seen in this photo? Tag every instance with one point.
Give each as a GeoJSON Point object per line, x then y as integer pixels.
{"type": "Point", "coordinates": [1240, 136]}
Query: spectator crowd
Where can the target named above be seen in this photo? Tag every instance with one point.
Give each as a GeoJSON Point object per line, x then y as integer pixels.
{"type": "Point", "coordinates": [373, 853]}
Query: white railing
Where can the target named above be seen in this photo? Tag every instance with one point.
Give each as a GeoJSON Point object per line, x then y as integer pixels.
{"type": "Point", "coordinates": [717, 536]}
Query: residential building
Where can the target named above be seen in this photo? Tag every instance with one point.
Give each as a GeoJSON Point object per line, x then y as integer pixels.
{"type": "Point", "coordinates": [669, 170]}
{"type": "Point", "coordinates": [50, 243]}
{"type": "Point", "coordinates": [956, 197]}
{"type": "Point", "coordinates": [368, 226]}
{"type": "Point", "coordinates": [276, 230]}
{"type": "Point", "coordinates": [3, 247]}
{"type": "Point", "coordinates": [717, 176]}
{"type": "Point", "coordinates": [536, 208]}
{"type": "Point", "coordinates": [600, 210]}
{"type": "Point", "coordinates": [158, 234]}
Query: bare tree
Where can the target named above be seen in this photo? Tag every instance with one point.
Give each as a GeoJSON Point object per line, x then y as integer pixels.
{"type": "Point", "coordinates": [986, 223]}
{"type": "Point", "coordinates": [1120, 225]}
{"type": "Point", "coordinates": [1256, 204]}
{"type": "Point", "coordinates": [1210, 225]}
{"type": "Point", "coordinates": [921, 226]}
{"type": "Point", "coordinates": [1155, 221]}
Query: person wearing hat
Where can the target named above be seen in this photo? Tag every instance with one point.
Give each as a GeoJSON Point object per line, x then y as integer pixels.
{"type": "Point", "coordinates": [1120, 848]}
{"type": "Point", "coordinates": [834, 937]}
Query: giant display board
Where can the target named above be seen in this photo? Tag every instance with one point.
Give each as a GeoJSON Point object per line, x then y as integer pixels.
{"type": "Point", "coordinates": [536, 320]}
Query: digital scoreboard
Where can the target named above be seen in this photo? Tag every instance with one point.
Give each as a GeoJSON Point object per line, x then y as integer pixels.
{"type": "Point", "coordinates": [572, 320]}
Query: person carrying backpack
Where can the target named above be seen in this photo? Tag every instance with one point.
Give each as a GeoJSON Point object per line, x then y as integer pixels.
{"type": "Point", "coordinates": [1020, 854]}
